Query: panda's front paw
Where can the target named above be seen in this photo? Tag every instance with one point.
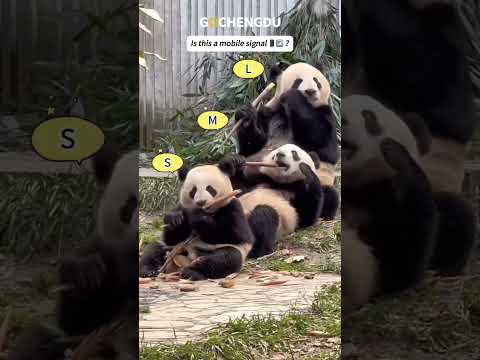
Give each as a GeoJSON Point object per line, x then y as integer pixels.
{"type": "Point", "coordinates": [396, 155]}
{"type": "Point", "coordinates": [247, 114]}
{"type": "Point", "coordinates": [174, 219]}
{"type": "Point", "coordinates": [308, 172]}
{"type": "Point", "coordinates": [200, 220]}
{"type": "Point", "coordinates": [291, 96]}
{"type": "Point", "coordinates": [230, 164]}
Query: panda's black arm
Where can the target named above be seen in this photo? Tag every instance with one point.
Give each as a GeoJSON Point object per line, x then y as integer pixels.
{"type": "Point", "coordinates": [177, 227]}
{"type": "Point", "coordinates": [252, 134]}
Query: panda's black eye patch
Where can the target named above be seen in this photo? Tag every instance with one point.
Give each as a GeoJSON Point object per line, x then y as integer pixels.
{"type": "Point", "coordinates": [126, 211]}
{"type": "Point", "coordinates": [296, 83]}
{"type": "Point", "coordinates": [318, 83]}
{"type": "Point", "coordinates": [295, 155]}
{"type": "Point", "coordinates": [211, 190]}
{"type": "Point", "coordinates": [371, 123]}
{"type": "Point", "coordinates": [193, 192]}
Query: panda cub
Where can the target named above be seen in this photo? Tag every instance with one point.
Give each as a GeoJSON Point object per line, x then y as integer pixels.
{"type": "Point", "coordinates": [389, 218]}
{"type": "Point", "coordinates": [247, 226]}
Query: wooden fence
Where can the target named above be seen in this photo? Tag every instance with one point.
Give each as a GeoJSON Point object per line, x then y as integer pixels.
{"type": "Point", "coordinates": [41, 31]}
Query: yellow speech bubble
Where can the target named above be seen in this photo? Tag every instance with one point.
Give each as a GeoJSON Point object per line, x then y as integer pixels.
{"type": "Point", "coordinates": [212, 120]}
{"type": "Point", "coordinates": [248, 69]}
{"type": "Point", "coordinates": [167, 162]}
{"type": "Point", "coordinates": [67, 139]}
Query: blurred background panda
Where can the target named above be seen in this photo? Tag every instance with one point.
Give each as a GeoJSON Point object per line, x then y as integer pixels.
{"type": "Point", "coordinates": [399, 55]}
{"type": "Point", "coordinates": [99, 287]}
{"type": "Point", "coordinates": [395, 226]}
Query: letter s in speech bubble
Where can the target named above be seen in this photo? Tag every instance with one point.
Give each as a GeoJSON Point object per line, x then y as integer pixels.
{"type": "Point", "coordinates": [67, 139]}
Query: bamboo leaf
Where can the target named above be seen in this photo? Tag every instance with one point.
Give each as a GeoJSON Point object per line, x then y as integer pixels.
{"type": "Point", "coordinates": [152, 13]}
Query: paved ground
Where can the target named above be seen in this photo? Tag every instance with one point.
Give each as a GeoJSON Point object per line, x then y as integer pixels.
{"type": "Point", "coordinates": [171, 315]}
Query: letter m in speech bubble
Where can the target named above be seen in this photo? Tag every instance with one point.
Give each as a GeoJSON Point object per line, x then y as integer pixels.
{"type": "Point", "coordinates": [212, 120]}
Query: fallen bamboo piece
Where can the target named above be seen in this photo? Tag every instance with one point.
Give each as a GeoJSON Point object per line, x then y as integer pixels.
{"type": "Point", "coordinates": [4, 328]}
{"type": "Point", "coordinates": [175, 251]}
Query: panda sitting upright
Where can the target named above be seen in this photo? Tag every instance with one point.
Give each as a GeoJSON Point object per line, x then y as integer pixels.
{"type": "Point", "coordinates": [394, 226]}
{"type": "Point", "coordinates": [247, 226]}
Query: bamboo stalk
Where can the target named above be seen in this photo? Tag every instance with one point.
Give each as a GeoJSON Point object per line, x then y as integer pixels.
{"type": "Point", "coordinates": [217, 202]}
{"type": "Point", "coordinates": [255, 104]}
{"type": "Point", "coordinates": [261, 164]}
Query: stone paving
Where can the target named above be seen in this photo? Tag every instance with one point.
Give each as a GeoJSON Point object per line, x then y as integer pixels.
{"type": "Point", "coordinates": [170, 315]}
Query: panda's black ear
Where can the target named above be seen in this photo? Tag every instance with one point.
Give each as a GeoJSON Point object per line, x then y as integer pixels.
{"type": "Point", "coordinates": [319, 67]}
{"type": "Point", "coordinates": [104, 161]}
{"type": "Point", "coordinates": [275, 71]}
{"type": "Point", "coordinates": [182, 172]}
{"type": "Point", "coordinates": [419, 129]}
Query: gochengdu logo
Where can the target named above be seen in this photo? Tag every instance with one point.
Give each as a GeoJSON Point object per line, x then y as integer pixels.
{"type": "Point", "coordinates": [225, 22]}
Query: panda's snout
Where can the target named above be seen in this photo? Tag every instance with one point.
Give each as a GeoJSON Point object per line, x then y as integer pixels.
{"type": "Point", "coordinates": [201, 203]}
{"type": "Point", "coordinates": [311, 92]}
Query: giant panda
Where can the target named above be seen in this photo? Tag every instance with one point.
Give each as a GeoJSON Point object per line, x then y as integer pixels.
{"type": "Point", "coordinates": [298, 113]}
{"type": "Point", "coordinates": [283, 172]}
{"type": "Point", "coordinates": [394, 226]}
{"type": "Point", "coordinates": [247, 226]}
{"type": "Point", "coordinates": [99, 286]}
{"type": "Point", "coordinates": [399, 55]}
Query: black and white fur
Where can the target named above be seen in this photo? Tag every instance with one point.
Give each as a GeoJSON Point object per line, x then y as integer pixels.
{"type": "Point", "coordinates": [98, 286]}
{"type": "Point", "coordinates": [247, 226]}
{"type": "Point", "coordinates": [299, 113]}
{"type": "Point", "coordinates": [394, 226]}
{"type": "Point", "coordinates": [399, 55]}
{"type": "Point", "coordinates": [296, 177]}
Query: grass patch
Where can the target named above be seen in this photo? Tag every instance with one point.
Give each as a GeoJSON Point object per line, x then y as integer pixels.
{"type": "Point", "coordinates": [30, 305]}
{"type": "Point", "coordinates": [260, 336]}
{"type": "Point", "coordinates": [157, 195]}
{"type": "Point", "coordinates": [441, 317]}
{"type": "Point", "coordinates": [281, 265]}
{"type": "Point", "coordinates": [45, 210]}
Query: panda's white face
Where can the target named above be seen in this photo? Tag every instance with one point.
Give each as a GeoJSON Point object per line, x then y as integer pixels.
{"type": "Point", "coordinates": [365, 124]}
{"type": "Point", "coordinates": [288, 158]}
{"type": "Point", "coordinates": [314, 86]}
{"type": "Point", "coordinates": [119, 205]}
{"type": "Point", "coordinates": [202, 184]}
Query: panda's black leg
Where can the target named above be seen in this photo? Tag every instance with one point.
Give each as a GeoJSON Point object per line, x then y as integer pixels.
{"type": "Point", "coordinates": [218, 264]}
{"type": "Point", "coordinates": [153, 257]}
{"type": "Point", "coordinates": [456, 234]}
{"type": "Point", "coordinates": [264, 222]}
{"type": "Point", "coordinates": [331, 203]}
{"type": "Point", "coordinates": [309, 198]}
{"type": "Point", "coordinates": [38, 343]}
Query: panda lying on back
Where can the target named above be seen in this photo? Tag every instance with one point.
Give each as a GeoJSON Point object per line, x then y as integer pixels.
{"type": "Point", "coordinates": [247, 226]}
{"type": "Point", "coordinates": [394, 226]}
